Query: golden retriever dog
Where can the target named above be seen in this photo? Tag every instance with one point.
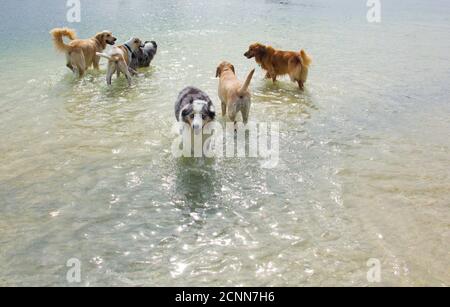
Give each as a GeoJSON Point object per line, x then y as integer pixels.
{"type": "Point", "coordinates": [233, 94]}
{"type": "Point", "coordinates": [81, 53]}
{"type": "Point", "coordinates": [279, 63]}
{"type": "Point", "coordinates": [119, 59]}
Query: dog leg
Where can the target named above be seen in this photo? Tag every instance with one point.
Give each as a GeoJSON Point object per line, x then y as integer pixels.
{"type": "Point", "coordinates": [133, 72]}
{"type": "Point", "coordinates": [78, 61]}
{"type": "Point", "coordinates": [128, 75]}
{"type": "Point", "coordinates": [123, 67]}
{"type": "Point", "coordinates": [81, 72]}
{"type": "Point", "coordinates": [78, 64]}
{"type": "Point", "coordinates": [232, 117]}
{"type": "Point", "coordinates": [224, 109]}
{"type": "Point", "coordinates": [272, 75]}
{"type": "Point", "coordinates": [111, 70]}
{"type": "Point", "coordinates": [96, 63]}
{"type": "Point", "coordinates": [301, 85]}
{"type": "Point", "coordinates": [68, 62]}
{"type": "Point", "coordinates": [245, 113]}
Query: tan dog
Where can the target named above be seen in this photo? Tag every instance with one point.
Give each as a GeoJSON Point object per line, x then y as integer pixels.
{"type": "Point", "coordinates": [81, 53]}
{"type": "Point", "coordinates": [119, 59]}
{"type": "Point", "coordinates": [234, 95]}
{"type": "Point", "coordinates": [279, 63]}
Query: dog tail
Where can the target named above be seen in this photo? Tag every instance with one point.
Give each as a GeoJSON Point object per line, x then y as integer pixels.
{"type": "Point", "coordinates": [104, 55]}
{"type": "Point", "coordinates": [306, 59]}
{"type": "Point", "coordinates": [244, 87]}
{"type": "Point", "coordinates": [58, 35]}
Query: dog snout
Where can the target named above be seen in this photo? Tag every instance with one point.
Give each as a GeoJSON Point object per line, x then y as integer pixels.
{"type": "Point", "coordinates": [196, 126]}
{"type": "Point", "coordinates": [112, 41]}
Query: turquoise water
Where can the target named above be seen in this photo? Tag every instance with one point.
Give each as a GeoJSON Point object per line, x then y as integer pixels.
{"type": "Point", "coordinates": [86, 171]}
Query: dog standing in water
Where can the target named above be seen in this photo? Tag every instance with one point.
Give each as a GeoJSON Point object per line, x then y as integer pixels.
{"type": "Point", "coordinates": [233, 94]}
{"type": "Point", "coordinates": [119, 59]}
{"type": "Point", "coordinates": [142, 57]}
{"type": "Point", "coordinates": [278, 63]}
{"type": "Point", "coordinates": [194, 108]}
{"type": "Point", "coordinates": [81, 53]}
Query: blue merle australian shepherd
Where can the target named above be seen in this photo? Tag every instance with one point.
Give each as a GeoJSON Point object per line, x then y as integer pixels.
{"type": "Point", "coordinates": [143, 56]}
{"type": "Point", "coordinates": [195, 109]}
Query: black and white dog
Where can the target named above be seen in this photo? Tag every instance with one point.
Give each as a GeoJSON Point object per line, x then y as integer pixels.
{"type": "Point", "coordinates": [143, 56]}
{"type": "Point", "coordinates": [194, 108]}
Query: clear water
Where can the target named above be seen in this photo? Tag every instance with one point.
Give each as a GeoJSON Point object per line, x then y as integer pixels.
{"type": "Point", "coordinates": [86, 171]}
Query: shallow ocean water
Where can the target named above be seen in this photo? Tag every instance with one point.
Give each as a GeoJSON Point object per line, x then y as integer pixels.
{"type": "Point", "coordinates": [86, 171]}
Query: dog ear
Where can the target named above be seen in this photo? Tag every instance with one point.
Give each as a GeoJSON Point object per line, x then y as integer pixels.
{"type": "Point", "coordinates": [212, 111]}
{"type": "Point", "coordinates": [186, 111]}
{"type": "Point", "coordinates": [100, 37]}
{"type": "Point", "coordinates": [218, 71]}
{"type": "Point", "coordinates": [232, 68]}
{"type": "Point", "coordinates": [260, 50]}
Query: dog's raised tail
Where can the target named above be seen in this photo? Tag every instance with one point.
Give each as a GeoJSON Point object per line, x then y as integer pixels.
{"type": "Point", "coordinates": [58, 35]}
{"type": "Point", "coordinates": [306, 59]}
{"type": "Point", "coordinates": [246, 84]}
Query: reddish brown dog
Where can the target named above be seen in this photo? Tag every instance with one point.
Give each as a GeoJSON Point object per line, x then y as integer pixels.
{"type": "Point", "coordinates": [279, 63]}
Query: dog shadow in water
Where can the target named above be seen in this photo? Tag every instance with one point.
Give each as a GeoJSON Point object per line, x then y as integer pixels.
{"type": "Point", "coordinates": [145, 72]}
{"type": "Point", "coordinates": [283, 97]}
{"type": "Point", "coordinates": [195, 182]}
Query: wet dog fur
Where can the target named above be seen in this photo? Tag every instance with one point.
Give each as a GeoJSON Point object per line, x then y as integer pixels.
{"type": "Point", "coordinates": [234, 95]}
{"type": "Point", "coordinates": [81, 53]}
{"type": "Point", "coordinates": [143, 56]}
{"type": "Point", "coordinates": [194, 108]}
{"type": "Point", "coordinates": [119, 59]}
{"type": "Point", "coordinates": [279, 63]}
